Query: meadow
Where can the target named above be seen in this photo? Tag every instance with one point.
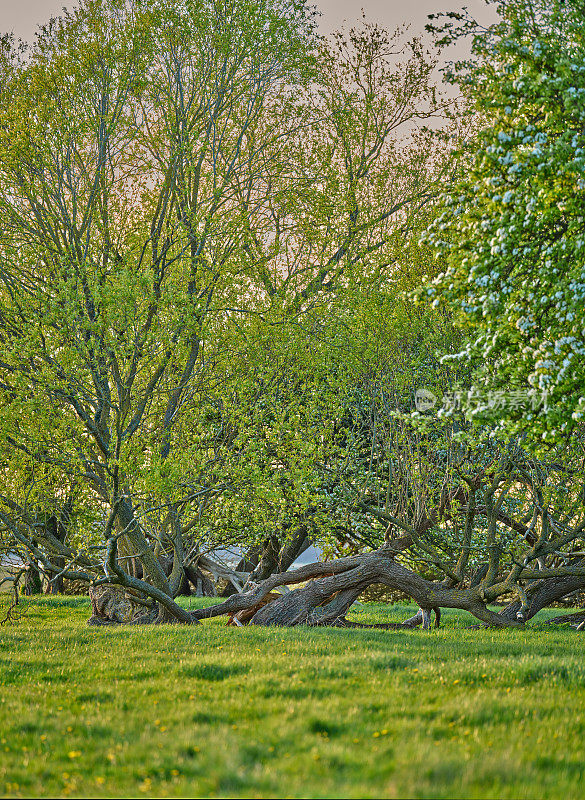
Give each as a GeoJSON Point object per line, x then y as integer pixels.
{"type": "Point", "coordinates": [217, 711]}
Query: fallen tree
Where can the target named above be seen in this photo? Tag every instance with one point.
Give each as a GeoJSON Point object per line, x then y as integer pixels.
{"type": "Point", "coordinates": [330, 588]}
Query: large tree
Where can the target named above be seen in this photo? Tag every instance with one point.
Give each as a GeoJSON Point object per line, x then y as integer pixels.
{"type": "Point", "coordinates": [512, 228]}
{"type": "Point", "coordinates": [170, 172]}
{"type": "Point", "coordinates": [126, 134]}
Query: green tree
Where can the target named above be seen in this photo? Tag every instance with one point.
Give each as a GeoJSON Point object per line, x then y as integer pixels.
{"type": "Point", "coordinates": [186, 170]}
{"type": "Point", "coordinates": [126, 134]}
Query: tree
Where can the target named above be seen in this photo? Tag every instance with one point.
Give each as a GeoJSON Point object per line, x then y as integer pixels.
{"type": "Point", "coordinates": [364, 174]}
{"type": "Point", "coordinates": [459, 517]}
{"type": "Point", "coordinates": [182, 171]}
{"type": "Point", "coordinates": [511, 231]}
{"type": "Point", "coordinates": [459, 525]}
{"type": "Point", "coordinates": [207, 223]}
{"type": "Point", "coordinates": [119, 230]}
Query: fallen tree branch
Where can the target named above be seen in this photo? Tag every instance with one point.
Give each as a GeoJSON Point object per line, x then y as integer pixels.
{"type": "Point", "coordinates": [331, 587]}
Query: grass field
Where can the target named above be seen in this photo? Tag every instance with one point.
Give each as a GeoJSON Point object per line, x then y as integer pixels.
{"type": "Point", "coordinates": [259, 712]}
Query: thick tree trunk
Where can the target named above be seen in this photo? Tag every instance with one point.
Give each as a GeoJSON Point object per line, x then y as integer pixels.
{"type": "Point", "coordinates": [153, 570]}
{"type": "Point", "coordinates": [127, 559]}
{"type": "Point", "coordinates": [264, 561]}
{"type": "Point", "coordinates": [56, 528]}
{"type": "Point", "coordinates": [183, 586]}
{"type": "Point", "coordinates": [109, 606]}
{"type": "Point", "coordinates": [314, 604]}
{"type": "Point", "coordinates": [250, 561]}
{"type": "Point", "coordinates": [334, 586]}
{"type": "Point", "coordinates": [277, 558]}
{"type": "Point", "coordinates": [547, 591]}
{"type": "Point", "coordinates": [293, 548]}
{"type": "Point", "coordinates": [268, 563]}
{"type": "Point", "coordinates": [32, 581]}
{"type": "Point", "coordinates": [201, 583]}
{"type": "Point", "coordinates": [112, 605]}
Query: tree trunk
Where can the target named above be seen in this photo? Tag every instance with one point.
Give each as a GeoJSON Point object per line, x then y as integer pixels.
{"type": "Point", "coordinates": [109, 606]}
{"type": "Point", "coordinates": [293, 548]}
{"type": "Point", "coordinates": [127, 559]}
{"type": "Point", "coordinates": [574, 620]}
{"type": "Point", "coordinates": [56, 528]}
{"type": "Point", "coordinates": [264, 561]}
{"type": "Point", "coordinates": [202, 584]}
{"type": "Point", "coordinates": [268, 560]}
{"type": "Point", "coordinates": [32, 581]}
{"type": "Point", "coordinates": [314, 604]}
{"type": "Point", "coordinates": [334, 586]}
{"type": "Point", "coordinates": [547, 591]}
{"type": "Point", "coordinates": [153, 571]}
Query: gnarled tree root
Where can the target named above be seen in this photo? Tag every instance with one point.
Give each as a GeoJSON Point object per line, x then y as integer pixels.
{"type": "Point", "coordinates": [111, 605]}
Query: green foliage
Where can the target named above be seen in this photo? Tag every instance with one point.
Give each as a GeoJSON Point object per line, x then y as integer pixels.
{"type": "Point", "coordinates": [512, 229]}
{"type": "Point", "coordinates": [205, 222]}
{"type": "Point", "coordinates": [127, 134]}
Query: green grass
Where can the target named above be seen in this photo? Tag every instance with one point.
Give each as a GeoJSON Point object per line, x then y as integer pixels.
{"type": "Point", "coordinates": [259, 712]}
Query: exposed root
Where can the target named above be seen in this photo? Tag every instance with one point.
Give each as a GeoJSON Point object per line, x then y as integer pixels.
{"type": "Point", "coordinates": [112, 605]}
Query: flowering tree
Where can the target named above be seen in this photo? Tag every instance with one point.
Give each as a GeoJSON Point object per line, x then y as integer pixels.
{"type": "Point", "coordinates": [512, 229]}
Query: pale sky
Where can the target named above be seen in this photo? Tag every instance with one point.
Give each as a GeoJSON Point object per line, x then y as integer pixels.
{"type": "Point", "coordinates": [22, 16]}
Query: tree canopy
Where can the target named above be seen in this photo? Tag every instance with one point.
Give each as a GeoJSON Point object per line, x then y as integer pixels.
{"type": "Point", "coordinates": [212, 222]}
{"type": "Point", "coordinates": [511, 231]}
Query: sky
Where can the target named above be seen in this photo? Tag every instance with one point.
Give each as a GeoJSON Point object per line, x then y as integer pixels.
{"type": "Point", "coordinates": [22, 16]}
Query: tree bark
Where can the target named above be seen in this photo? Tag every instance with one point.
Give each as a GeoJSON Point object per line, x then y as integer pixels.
{"type": "Point", "coordinates": [268, 560]}
{"type": "Point", "coordinates": [32, 581]}
{"type": "Point", "coordinates": [150, 563]}
{"type": "Point", "coordinates": [201, 583]}
{"type": "Point", "coordinates": [334, 586]}
{"type": "Point", "coordinates": [56, 528]}
{"type": "Point", "coordinates": [547, 591]}
{"type": "Point", "coordinates": [574, 620]}
{"type": "Point", "coordinates": [246, 564]}
{"type": "Point", "coordinates": [264, 561]}
{"type": "Point", "coordinates": [293, 548]}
